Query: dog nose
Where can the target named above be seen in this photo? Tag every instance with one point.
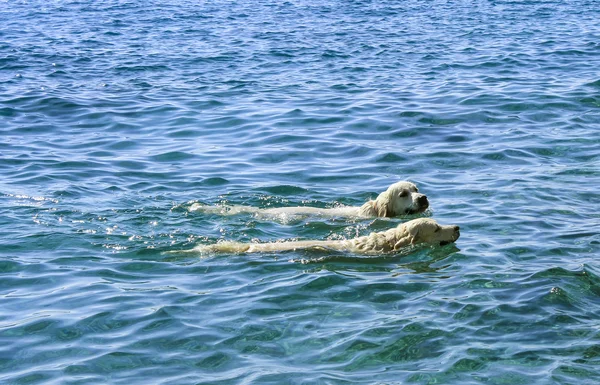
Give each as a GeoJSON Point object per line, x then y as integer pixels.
{"type": "Point", "coordinates": [456, 232]}
{"type": "Point", "coordinates": [422, 201]}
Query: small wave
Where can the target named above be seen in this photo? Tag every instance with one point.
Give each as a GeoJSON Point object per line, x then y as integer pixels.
{"type": "Point", "coordinates": [172, 156]}
{"type": "Point", "coordinates": [595, 84]}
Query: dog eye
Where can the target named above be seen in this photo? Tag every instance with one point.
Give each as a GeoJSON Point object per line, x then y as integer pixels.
{"type": "Point", "coordinates": [437, 229]}
{"type": "Point", "coordinates": [403, 193]}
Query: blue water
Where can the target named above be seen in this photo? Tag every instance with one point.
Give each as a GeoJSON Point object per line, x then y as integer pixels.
{"type": "Point", "coordinates": [117, 116]}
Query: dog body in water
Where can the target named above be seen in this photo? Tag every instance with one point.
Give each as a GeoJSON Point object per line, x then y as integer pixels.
{"type": "Point", "coordinates": [417, 231]}
{"type": "Point", "coordinates": [401, 198]}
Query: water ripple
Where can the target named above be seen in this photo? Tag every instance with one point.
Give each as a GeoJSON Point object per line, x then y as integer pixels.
{"type": "Point", "coordinates": [117, 118]}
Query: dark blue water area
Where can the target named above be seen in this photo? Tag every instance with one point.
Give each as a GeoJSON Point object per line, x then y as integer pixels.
{"type": "Point", "coordinates": [117, 116]}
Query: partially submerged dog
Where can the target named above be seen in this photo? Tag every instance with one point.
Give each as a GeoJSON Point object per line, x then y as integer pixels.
{"type": "Point", "coordinates": [401, 198]}
{"type": "Point", "coordinates": [417, 231]}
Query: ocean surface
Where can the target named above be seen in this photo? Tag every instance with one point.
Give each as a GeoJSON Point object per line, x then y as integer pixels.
{"type": "Point", "coordinates": [117, 116]}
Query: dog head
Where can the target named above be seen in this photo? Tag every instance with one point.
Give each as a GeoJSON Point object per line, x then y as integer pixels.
{"type": "Point", "coordinates": [426, 230]}
{"type": "Point", "coordinates": [401, 198]}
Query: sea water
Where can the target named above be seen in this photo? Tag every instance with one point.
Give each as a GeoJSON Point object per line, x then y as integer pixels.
{"type": "Point", "coordinates": [117, 116]}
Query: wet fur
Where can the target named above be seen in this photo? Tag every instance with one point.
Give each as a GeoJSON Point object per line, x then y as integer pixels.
{"type": "Point", "coordinates": [401, 198]}
{"type": "Point", "coordinates": [417, 231]}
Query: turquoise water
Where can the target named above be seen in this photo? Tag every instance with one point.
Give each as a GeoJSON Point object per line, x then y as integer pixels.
{"type": "Point", "coordinates": [117, 116]}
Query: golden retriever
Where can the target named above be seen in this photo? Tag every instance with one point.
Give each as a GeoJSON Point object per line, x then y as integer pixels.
{"type": "Point", "coordinates": [417, 231]}
{"type": "Point", "coordinates": [401, 198]}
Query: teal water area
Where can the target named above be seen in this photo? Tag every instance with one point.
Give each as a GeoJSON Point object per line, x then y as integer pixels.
{"type": "Point", "coordinates": [117, 116]}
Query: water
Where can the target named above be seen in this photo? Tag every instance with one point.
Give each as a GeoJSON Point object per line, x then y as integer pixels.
{"type": "Point", "coordinates": [117, 116]}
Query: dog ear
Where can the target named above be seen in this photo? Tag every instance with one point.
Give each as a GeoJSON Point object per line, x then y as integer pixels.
{"type": "Point", "coordinates": [413, 236]}
{"type": "Point", "coordinates": [413, 233]}
{"type": "Point", "coordinates": [408, 236]}
{"type": "Point", "coordinates": [382, 205]}
{"type": "Point", "coordinates": [382, 210]}
{"type": "Point", "coordinates": [407, 240]}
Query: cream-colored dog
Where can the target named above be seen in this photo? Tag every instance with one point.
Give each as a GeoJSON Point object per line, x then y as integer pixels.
{"type": "Point", "coordinates": [417, 231]}
{"type": "Point", "coordinates": [401, 198]}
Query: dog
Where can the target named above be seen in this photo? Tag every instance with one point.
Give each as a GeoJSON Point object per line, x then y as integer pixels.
{"type": "Point", "coordinates": [414, 232]}
{"type": "Point", "coordinates": [401, 198]}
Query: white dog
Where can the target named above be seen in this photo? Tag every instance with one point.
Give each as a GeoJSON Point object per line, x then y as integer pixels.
{"type": "Point", "coordinates": [401, 198]}
{"type": "Point", "coordinates": [417, 231]}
